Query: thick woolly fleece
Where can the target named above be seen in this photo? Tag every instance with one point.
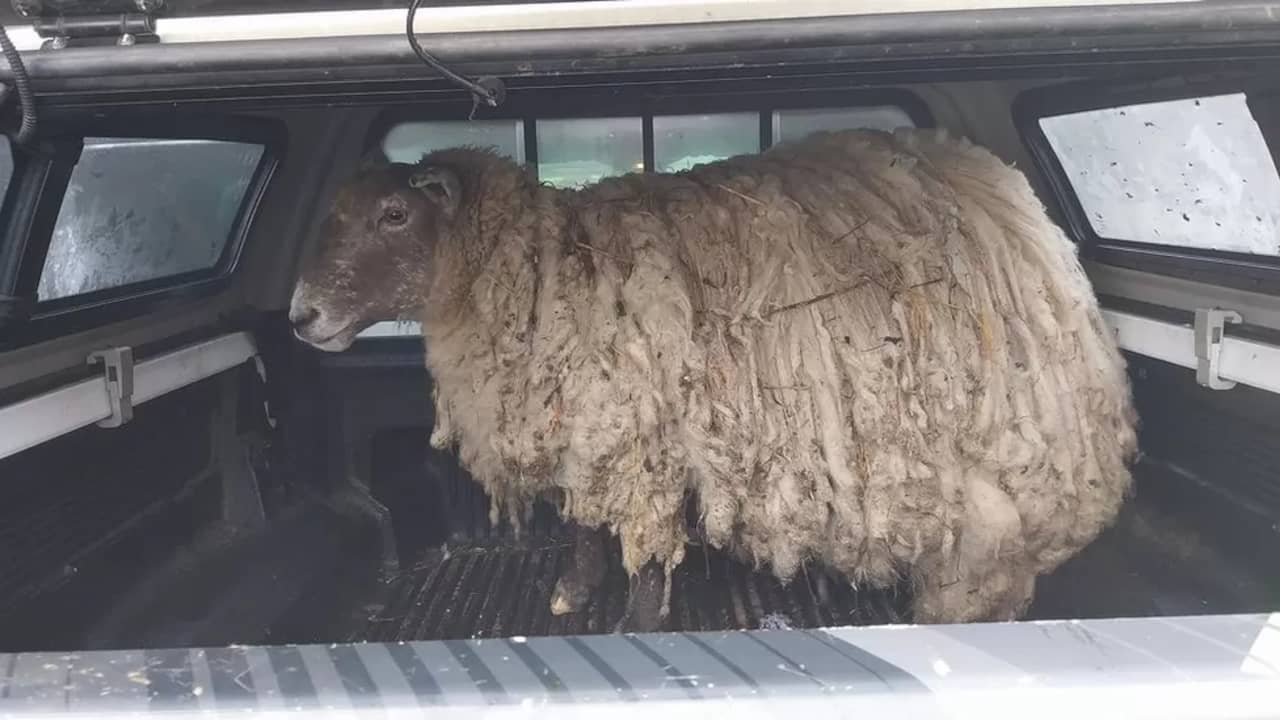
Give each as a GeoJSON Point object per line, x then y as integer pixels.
{"type": "Point", "coordinates": [867, 351]}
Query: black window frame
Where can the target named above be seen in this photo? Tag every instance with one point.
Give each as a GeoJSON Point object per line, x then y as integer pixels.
{"type": "Point", "coordinates": [31, 167]}
{"type": "Point", "coordinates": [62, 139]}
{"type": "Point", "coordinates": [1242, 271]}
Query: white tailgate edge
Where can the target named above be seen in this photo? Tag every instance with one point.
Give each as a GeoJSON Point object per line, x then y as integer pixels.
{"type": "Point", "coordinates": [45, 417]}
{"type": "Point", "coordinates": [1244, 361]}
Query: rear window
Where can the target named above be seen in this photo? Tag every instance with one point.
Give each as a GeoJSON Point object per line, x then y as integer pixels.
{"type": "Point", "coordinates": [1190, 173]}
{"type": "Point", "coordinates": [580, 151]}
{"type": "Point", "coordinates": [407, 142]}
{"type": "Point", "coordinates": [683, 141]}
{"type": "Point", "coordinates": [795, 124]}
{"type": "Point", "coordinates": [138, 210]}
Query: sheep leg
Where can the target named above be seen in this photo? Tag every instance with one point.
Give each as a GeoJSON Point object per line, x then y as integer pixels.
{"type": "Point", "coordinates": [580, 580]}
{"type": "Point", "coordinates": [824, 590]}
{"type": "Point", "coordinates": [989, 577]}
{"type": "Point", "coordinates": [646, 600]}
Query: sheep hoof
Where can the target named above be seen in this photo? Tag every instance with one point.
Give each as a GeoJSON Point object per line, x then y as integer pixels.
{"type": "Point", "coordinates": [575, 586]}
{"type": "Point", "coordinates": [645, 612]}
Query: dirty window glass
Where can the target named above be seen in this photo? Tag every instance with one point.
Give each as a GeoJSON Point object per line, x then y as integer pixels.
{"type": "Point", "coordinates": [142, 209]}
{"type": "Point", "coordinates": [6, 167]}
{"type": "Point", "coordinates": [683, 141]}
{"type": "Point", "coordinates": [795, 124]}
{"type": "Point", "coordinates": [577, 152]}
{"type": "Point", "coordinates": [407, 142]}
{"type": "Point", "coordinates": [1192, 173]}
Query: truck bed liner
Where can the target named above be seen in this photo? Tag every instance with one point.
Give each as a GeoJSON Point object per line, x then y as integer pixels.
{"type": "Point", "coordinates": [491, 589]}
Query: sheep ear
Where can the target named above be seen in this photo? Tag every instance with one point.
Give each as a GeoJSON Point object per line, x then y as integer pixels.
{"type": "Point", "coordinates": [440, 185]}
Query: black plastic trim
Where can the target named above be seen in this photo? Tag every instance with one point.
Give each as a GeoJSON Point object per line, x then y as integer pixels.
{"type": "Point", "coordinates": [647, 142]}
{"type": "Point", "coordinates": [41, 205]}
{"type": "Point", "coordinates": [31, 168]}
{"type": "Point", "coordinates": [530, 128]}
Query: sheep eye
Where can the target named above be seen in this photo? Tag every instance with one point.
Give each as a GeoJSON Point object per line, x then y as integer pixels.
{"type": "Point", "coordinates": [395, 216]}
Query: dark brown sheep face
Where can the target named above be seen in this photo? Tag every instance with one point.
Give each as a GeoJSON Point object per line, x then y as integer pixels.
{"type": "Point", "coordinates": [374, 259]}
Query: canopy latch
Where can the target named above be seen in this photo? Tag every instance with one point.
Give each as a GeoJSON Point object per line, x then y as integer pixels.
{"type": "Point", "coordinates": [1208, 338]}
{"type": "Point", "coordinates": [117, 364]}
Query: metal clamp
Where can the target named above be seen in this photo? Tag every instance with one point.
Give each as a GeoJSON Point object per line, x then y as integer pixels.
{"type": "Point", "coordinates": [117, 365]}
{"type": "Point", "coordinates": [1208, 338]}
{"type": "Point", "coordinates": [63, 23]}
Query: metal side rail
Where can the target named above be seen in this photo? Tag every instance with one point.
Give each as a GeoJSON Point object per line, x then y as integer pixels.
{"type": "Point", "coordinates": [1220, 360]}
{"type": "Point", "coordinates": [1171, 669]}
{"type": "Point", "coordinates": [108, 398]}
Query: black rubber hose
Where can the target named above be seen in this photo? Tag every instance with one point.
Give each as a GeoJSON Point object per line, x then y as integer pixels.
{"type": "Point", "coordinates": [22, 80]}
{"type": "Point", "coordinates": [487, 90]}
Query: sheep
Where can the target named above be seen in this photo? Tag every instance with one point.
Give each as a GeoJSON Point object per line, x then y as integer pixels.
{"type": "Point", "coordinates": [871, 353]}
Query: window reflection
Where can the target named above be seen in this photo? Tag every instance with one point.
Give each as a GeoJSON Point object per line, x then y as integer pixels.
{"type": "Point", "coordinates": [683, 141]}
{"type": "Point", "coordinates": [578, 152]}
{"type": "Point", "coordinates": [795, 124]}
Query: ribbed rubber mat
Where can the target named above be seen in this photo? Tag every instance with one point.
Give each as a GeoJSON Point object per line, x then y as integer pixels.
{"type": "Point", "coordinates": [1225, 440]}
{"type": "Point", "coordinates": [64, 502]}
{"type": "Point", "coordinates": [503, 590]}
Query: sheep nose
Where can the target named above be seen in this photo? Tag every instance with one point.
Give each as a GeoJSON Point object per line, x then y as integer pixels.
{"type": "Point", "coordinates": [300, 318]}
